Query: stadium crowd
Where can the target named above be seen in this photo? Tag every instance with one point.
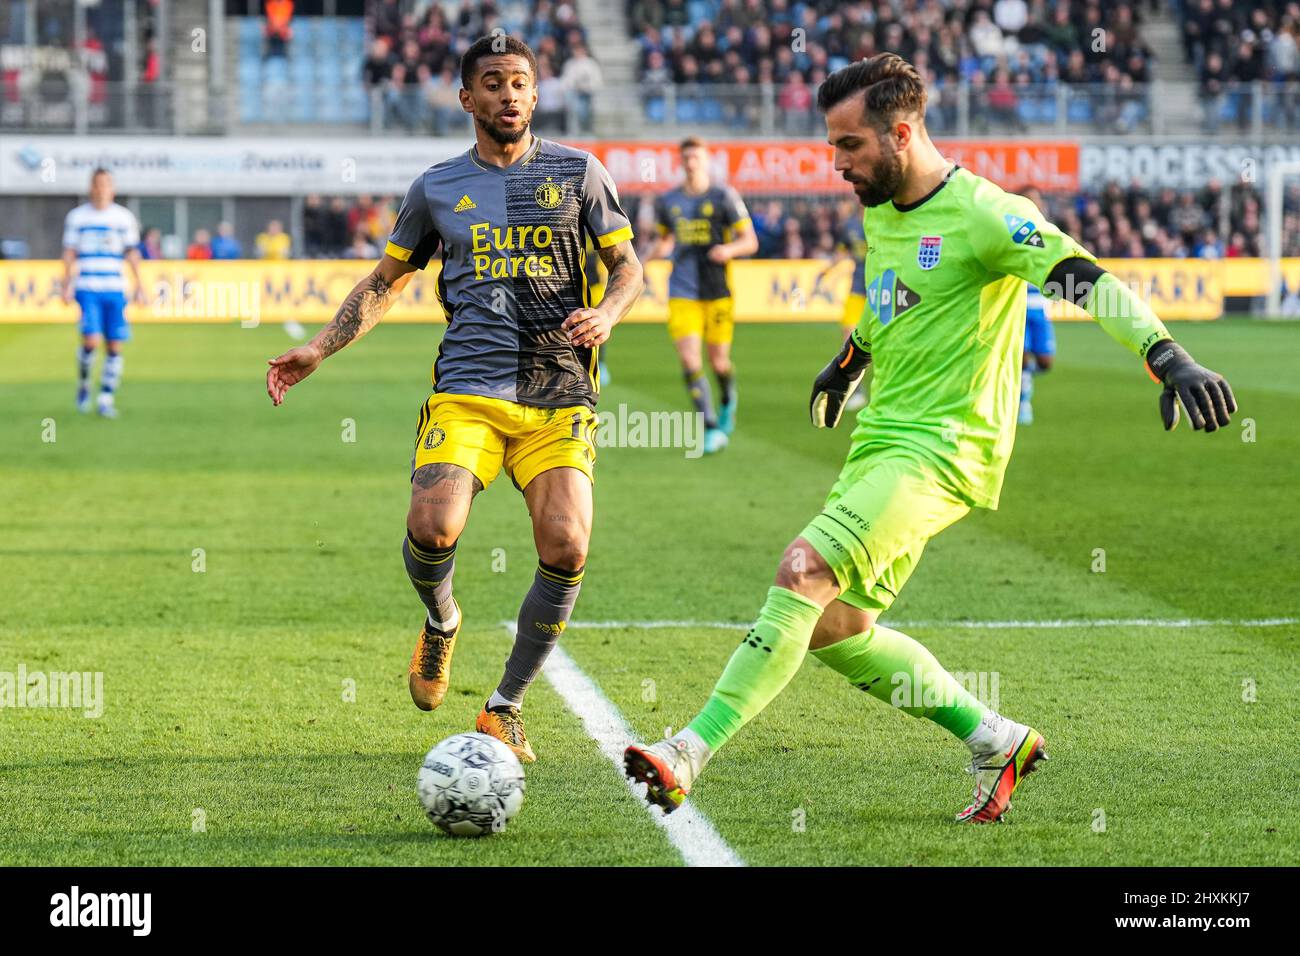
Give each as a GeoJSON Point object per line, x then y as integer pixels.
{"type": "Point", "coordinates": [1233, 46]}
{"type": "Point", "coordinates": [1116, 222]}
{"type": "Point", "coordinates": [414, 62]}
{"type": "Point", "coordinates": [1014, 54]}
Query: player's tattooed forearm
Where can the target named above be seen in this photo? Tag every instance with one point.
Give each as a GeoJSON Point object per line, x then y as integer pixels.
{"type": "Point", "coordinates": [626, 278]}
{"type": "Point", "coordinates": [364, 306]}
{"type": "Point", "coordinates": [454, 479]}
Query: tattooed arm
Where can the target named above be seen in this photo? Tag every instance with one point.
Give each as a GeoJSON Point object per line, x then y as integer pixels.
{"type": "Point", "coordinates": [590, 327]}
{"type": "Point", "coordinates": [364, 306]}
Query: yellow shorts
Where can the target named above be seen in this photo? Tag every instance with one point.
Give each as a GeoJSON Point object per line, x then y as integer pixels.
{"type": "Point", "coordinates": [711, 320]}
{"type": "Point", "coordinates": [482, 434]}
{"type": "Point", "coordinates": [853, 307]}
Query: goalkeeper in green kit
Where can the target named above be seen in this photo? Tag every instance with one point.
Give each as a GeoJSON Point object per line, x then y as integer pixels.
{"type": "Point", "coordinates": [948, 258]}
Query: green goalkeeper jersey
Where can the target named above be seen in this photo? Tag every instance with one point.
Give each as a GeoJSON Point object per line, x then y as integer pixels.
{"type": "Point", "coordinates": [945, 323]}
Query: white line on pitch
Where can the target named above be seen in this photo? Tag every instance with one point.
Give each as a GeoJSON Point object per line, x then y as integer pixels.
{"type": "Point", "coordinates": [687, 829]}
{"type": "Point", "coordinates": [969, 625]}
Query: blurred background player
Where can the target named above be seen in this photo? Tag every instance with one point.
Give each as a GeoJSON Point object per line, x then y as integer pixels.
{"type": "Point", "coordinates": [703, 227]}
{"type": "Point", "coordinates": [1040, 340]}
{"type": "Point", "coordinates": [98, 236]}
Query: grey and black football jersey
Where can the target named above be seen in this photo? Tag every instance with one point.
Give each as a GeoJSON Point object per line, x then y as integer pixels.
{"type": "Point", "coordinates": [513, 268]}
{"type": "Point", "coordinates": [696, 223]}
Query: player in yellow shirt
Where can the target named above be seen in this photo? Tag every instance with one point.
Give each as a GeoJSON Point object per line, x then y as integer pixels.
{"type": "Point", "coordinates": [703, 227]}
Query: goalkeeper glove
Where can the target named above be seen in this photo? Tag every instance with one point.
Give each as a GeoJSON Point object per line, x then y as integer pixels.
{"type": "Point", "coordinates": [1205, 394]}
{"type": "Point", "coordinates": [836, 383]}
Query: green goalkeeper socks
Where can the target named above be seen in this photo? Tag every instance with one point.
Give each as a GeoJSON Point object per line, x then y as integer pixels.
{"type": "Point", "coordinates": [768, 657]}
{"type": "Point", "coordinates": [892, 667]}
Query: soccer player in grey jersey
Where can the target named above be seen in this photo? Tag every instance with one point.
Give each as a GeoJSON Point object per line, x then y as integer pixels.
{"type": "Point", "coordinates": [517, 373]}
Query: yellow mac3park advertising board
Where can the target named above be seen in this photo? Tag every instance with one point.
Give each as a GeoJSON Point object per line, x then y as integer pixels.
{"type": "Point", "coordinates": [770, 290]}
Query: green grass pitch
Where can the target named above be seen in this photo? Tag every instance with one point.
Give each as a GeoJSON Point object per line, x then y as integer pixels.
{"type": "Point", "coordinates": [228, 736]}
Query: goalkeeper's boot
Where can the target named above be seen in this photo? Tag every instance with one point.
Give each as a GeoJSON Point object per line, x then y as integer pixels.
{"type": "Point", "coordinates": [727, 415]}
{"type": "Point", "coordinates": [668, 768]}
{"type": "Point", "coordinates": [715, 439]}
{"type": "Point", "coordinates": [999, 771]}
{"type": "Point", "coordinates": [430, 669]}
{"type": "Point", "coordinates": [506, 724]}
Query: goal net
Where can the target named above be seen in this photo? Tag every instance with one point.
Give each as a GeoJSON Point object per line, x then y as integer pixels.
{"type": "Point", "coordinates": [1282, 217]}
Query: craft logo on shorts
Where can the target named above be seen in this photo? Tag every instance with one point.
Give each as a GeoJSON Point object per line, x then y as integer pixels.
{"type": "Point", "coordinates": [927, 253]}
{"type": "Point", "coordinates": [549, 194]}
{"type": "Point", "coordinates": [434, 438]}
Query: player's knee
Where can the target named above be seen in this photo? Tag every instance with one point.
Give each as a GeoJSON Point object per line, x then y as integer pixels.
{"type": "Point", "coordinates": [1044, 363]}
{"type": "Point", "coordinates": [430, 532]}
{"type": "Point", "coordinates": [568, 552]}
{"type": "Point", "coordinates": [840, 622]}
{"type": "Point", "coordinates": [805, 572]}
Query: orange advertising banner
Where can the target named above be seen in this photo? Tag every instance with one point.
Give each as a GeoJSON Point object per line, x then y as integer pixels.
{"type": "Point", "coordinates": [808, 166]}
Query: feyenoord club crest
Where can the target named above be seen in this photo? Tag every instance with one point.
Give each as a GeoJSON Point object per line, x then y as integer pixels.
{"type": "Point", "coordinates": [549, 194]}
{"type": "Point", "coordinates": [927, 253]}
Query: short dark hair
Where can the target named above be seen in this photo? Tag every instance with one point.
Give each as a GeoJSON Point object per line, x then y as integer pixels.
{"type": "Point", "coordinates": [99, 171]}
{"type": "Point", "coordinates": [892, 86]}
{"type": "Point", "coordinates": [497, 44]}
{"type": "Point", "coordinates": [691, 142]}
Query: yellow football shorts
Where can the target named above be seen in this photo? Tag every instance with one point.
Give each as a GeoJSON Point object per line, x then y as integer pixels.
{"type": "Point", "coordinates": [710, 319]}
{"type": "Point", "coordinates": [482, 434]}
{"type": "Point", "coordinates": [878, 517]}
{"type": "Point", "coordinates": [853, 307]}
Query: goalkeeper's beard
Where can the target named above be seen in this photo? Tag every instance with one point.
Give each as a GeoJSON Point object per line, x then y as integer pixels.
{"type": "Point", "coordinates": [885, 181]}
{"type": "Point", "coordinates": [505, 137]}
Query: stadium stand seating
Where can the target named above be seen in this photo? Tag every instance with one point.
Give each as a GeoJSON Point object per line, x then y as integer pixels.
{"type": "Point", "coordinates": [317, 81]}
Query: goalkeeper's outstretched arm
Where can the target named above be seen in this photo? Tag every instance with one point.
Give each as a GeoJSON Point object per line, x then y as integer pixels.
{"type": "Point", "coordinates": [1204, 394]}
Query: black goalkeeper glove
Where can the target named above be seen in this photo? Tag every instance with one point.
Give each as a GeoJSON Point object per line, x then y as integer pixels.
{"type": "Point", "coordinates": [836, 383]}
{"type": "Point", "coordinates": [1205, 394]}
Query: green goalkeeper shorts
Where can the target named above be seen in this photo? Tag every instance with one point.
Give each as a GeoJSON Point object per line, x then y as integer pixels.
{"type": "Point", "coordinates": [880, 513]}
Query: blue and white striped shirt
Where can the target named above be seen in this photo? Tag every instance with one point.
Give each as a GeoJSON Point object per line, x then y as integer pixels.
{"type": "Point", "coordinates": [101, 238]}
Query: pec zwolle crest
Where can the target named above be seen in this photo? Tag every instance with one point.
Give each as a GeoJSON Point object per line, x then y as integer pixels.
{"type": "Point", "coordinates": [927, 253]}
{"type": "Point", "coordinates": [549, 194]}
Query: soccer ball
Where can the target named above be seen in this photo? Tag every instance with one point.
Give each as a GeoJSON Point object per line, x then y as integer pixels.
{"type": "Point", "coordinates": [471, 785]}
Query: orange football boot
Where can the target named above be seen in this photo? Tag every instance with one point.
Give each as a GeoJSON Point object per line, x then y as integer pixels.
{"type": "Point", "coordinates": [506, 724]}
{"type": "Point", "coordinates": [430, 670]}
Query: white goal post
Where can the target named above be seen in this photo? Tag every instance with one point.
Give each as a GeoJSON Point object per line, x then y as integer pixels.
{"type": "Point", "coordinates": [1277, 173]}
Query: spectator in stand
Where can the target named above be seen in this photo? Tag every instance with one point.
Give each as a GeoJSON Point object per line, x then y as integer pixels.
{"type": "Point", "coordinates": [151, 244]}
{"type": "Point", "coordinates": [274, 243]}
{"type": "Point", "coordinates": [361, 247]}
{"type": "Point", "coordinates": [279, 31]}
{"type": "Point", "coordinates": [1208, 246]}
{"type": "Point", "coordinates": [224, 244]}
{"type": "Point", "coordinates": [581, 77]}
{"type": "Point", "coordinates": [552, 100]}
{"type": "Point", "coordinates": [315, 238]}
{"type": "Point", "coordinates": [378, 66]}
{"type": "Point", "coordinates": [1284, 63]}
{"type": "Point", "coordinates": [201, 247]}
{"type": "Point", "coordinates": [795, 102]}
{"type": "Point", "coordinates": [442, 98]}
{"type": "Point", "coordinates": [336, 226]}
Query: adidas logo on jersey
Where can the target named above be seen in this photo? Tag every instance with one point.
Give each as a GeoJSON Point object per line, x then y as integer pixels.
{"type": "Point", "coordinates": [465, 203]}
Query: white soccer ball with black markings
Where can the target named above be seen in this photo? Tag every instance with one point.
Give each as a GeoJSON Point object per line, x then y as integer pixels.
{"type": "Point", "coordinates": [471, 785]}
